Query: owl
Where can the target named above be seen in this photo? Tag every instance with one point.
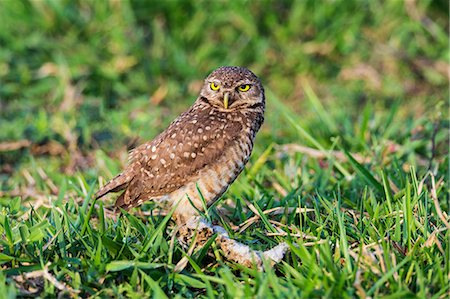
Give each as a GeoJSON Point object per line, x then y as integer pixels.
{"type": "Point", "coordinates": [202, 151]}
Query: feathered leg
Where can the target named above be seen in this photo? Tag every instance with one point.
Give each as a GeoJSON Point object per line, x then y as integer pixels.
{"type": "Point", "coordinates": [197, 231]}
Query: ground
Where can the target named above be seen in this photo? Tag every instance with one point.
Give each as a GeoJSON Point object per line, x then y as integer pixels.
{"type": "Point", "coordinates": [351, 167]}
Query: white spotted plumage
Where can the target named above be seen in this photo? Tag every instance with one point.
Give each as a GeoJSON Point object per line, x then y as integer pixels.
{"type": "Point", "coordinates": [205, 148]}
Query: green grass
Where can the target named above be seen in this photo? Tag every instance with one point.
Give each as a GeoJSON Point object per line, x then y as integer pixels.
{"type": "Point", "coordinates": [353, 156]}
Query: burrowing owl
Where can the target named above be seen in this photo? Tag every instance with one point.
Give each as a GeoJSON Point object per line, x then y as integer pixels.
{"type": "Point", "coordinates": [204, 149]}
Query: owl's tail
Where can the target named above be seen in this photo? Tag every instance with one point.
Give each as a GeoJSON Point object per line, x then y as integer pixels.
{"type": "Point", "coordinates": [118, 183]}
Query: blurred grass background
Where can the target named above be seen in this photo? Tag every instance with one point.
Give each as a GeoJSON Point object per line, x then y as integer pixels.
{"type": "Point", "coordinates": [82, 82]}
{"type": "Point", "coordinates": [77, 76]}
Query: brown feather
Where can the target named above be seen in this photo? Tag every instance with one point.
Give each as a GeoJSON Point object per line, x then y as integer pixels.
{"type": "Point", "coordinates": [176, 155]}
{"type": "Point", "coordinates": [118, 183]}
{"type": "Point", "coordinates": [205, 138]}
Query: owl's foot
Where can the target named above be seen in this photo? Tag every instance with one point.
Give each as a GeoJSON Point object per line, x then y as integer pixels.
{"type": "Point", "coordinates": [196, 232]}
{"type": "Point", "coordinates": [243, 254]}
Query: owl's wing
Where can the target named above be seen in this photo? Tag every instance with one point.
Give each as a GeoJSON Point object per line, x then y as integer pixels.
{"type": "Point", "coordinates": [176, 156]}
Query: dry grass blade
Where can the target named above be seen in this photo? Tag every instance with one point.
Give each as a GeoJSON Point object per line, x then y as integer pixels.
{"type": "Point", "coordinates": [432, 240]}
{"type": "Point", "coordinates": [366, 260]}
{"type": "Point", "coordinates": [441, 216]}
{"type": "Point", "coordinates": [317, 154]}
{"type": "Point", "coordinates": [45, 274]}
{"type": "Point", "coordinates": [14, 145]}
{"type": "Point", "coordinates": [48, 181]}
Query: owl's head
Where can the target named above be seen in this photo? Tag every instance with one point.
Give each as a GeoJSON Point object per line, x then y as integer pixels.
{"type": "Point", "coordinates": [233, 88]}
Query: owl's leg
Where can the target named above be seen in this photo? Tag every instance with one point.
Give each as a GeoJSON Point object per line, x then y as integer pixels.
{"type": "Point", "coordinates": [243, 254]}
{"type": "Point", "coordinates": [194, 233]}
{"type": "Point", "coordinates": [197, 231]}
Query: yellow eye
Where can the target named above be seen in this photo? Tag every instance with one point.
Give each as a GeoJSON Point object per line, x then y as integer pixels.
{"type": "Point", "coordinates": [214, 86]}
{"type": "Point", "coordinates": [244, 87]}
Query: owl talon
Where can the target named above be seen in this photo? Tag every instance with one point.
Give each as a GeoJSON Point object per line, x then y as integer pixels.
{"type": "Point", "coordinates": [194, 233]}
{"type": "Point", "coordinates": [197, 231]}
{"type": "Point", "coordinates": [243, 254]}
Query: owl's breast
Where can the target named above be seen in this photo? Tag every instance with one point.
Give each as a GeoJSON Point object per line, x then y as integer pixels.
{"type": "Point", "coordinates": [225, 142]}
{"type": "Point", "coordinates": [215, 178]}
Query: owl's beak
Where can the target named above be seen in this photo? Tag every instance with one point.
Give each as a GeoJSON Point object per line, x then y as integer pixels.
{"type": "Point", "coordinates": [226, 97]}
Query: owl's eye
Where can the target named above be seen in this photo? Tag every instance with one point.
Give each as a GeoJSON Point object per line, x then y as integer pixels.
{"type": "Point", "coordinates": [214, 86]}
{"type": "Point", "coordinates": [244, 87]}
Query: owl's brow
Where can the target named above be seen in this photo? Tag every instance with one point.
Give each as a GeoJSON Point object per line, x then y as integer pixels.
{"type": "Point", "coordinates": [244, 82]}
